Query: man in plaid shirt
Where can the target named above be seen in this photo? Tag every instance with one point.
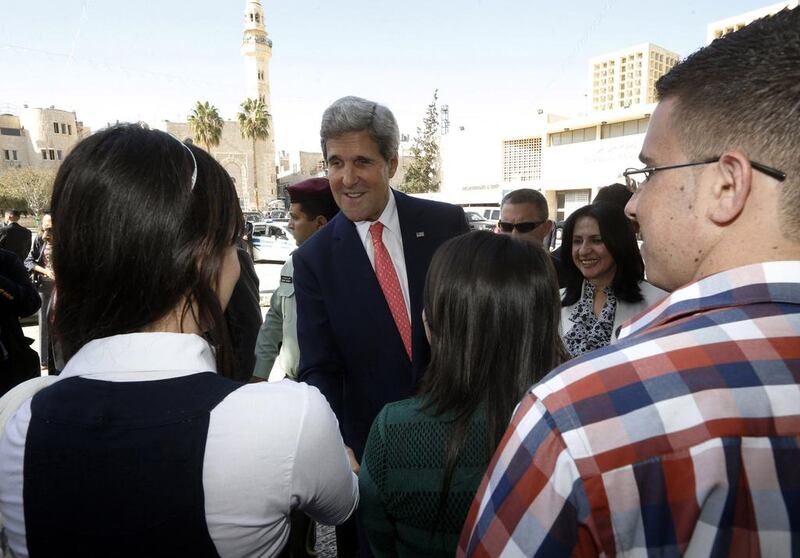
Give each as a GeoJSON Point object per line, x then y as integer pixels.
{"type": "Point", "coordinates": [683, 437]}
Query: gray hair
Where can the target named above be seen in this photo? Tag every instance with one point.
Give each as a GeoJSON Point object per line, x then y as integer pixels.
{"type": "Point", "coordinates": [528, 195]}
{"type": "Point", "coordinates": [354, 114]}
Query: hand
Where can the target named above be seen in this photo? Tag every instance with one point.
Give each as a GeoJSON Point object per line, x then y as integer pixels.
{"type": "Point", "coordinates": [354, 466]}
{"type": "Point", "coordinates": [50, 274]}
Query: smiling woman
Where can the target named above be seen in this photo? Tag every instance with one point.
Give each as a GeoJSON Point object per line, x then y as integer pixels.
{"type": "Point", "coordinates": [604, 277]}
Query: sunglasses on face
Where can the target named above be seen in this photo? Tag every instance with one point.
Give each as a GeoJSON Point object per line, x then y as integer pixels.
{"type": "Point", "coordinates": [522, 228]}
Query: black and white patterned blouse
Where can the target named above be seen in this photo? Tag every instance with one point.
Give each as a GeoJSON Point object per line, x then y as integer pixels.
{"type": "Point", "coordinates": [590, 332]}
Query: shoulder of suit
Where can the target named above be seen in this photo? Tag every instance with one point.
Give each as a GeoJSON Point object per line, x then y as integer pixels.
{"type": "Point", "coordinates": [320, 239]}
{"type": "Point", "coordinates": [429, 205]}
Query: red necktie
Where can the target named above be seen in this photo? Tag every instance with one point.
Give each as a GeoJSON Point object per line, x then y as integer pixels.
{"type": "Point", "coordinates": [390, 285]}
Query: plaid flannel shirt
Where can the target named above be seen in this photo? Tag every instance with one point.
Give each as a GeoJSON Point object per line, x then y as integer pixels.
{"type": "Point", "coordinates": [680, 439]}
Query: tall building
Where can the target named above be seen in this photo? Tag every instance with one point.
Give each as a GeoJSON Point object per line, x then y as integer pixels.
{"type": "Point", "coordinates": [257, 52]}
{"type": "Point", "coordinates": [720, 28]}
{"type": "Point", "coordinates": [628, 77]}
{"type": "Point", "coordinates": [244, 162]}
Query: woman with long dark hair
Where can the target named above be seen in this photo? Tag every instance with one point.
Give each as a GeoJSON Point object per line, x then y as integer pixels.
{"type": "Point", "coordinates": [491, 314]}
{"type": "Point", "coordinates": [143, 446]}
{"type": "Point", "coordinates": [604, 277]}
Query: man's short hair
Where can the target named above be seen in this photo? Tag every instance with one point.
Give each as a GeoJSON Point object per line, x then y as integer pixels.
{"type": "Point", "coordinates": [741, 92]}
{"type": "Point", "coordinates": [527, 195]}
{"type": "Point", "coordinates": [616, 194]}
{"type": "Point", "coordinates": [354, 114]}
{"type": "Point", "coordinates": [13, 213]}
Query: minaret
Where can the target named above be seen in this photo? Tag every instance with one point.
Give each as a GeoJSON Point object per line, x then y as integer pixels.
{"type": "Point", "coordinates": [257, 52]}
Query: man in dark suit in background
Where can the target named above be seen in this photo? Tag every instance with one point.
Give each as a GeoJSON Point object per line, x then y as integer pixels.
{"type": "Point", "coordinates": [359, 280]}
{"type": "Point", "coordinates": [14, 237]}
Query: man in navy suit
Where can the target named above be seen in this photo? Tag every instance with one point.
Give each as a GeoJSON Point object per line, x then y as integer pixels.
{"type": "Point", "coordinates": [360, 347]}
{"type": "Point", "coordinates": [350, 344]}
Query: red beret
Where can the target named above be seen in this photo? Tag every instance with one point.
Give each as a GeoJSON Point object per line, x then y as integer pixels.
{"type": "Point", "coordinates": [311, 188]}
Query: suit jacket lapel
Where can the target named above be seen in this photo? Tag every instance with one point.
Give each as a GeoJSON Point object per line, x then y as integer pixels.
{"type": "Point", "coordinates": [354, 268]}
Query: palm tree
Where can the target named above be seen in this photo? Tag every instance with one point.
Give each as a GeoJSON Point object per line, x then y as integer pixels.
{"type": "Point", "coordinates": [254, 124]}
{"type": "Point", "coordinates": [206, 125]}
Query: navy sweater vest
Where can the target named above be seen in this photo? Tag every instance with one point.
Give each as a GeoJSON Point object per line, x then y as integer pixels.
{"type": "Point", "coordinates": [116, 468]}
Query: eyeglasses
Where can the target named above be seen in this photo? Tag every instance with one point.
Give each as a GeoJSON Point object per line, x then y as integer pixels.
{"type": "Point", "coordinates": [522, 228]}
{"type": "Point", "coordinates": [648, 171]}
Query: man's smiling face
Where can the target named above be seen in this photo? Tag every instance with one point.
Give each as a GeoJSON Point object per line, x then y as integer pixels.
{"type": "Point", "coordinates": [359, 175]}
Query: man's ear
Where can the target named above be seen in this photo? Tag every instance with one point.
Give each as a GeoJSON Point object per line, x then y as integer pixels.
{"type": "Point", "coordinates": [393, 162]}
{"type": "Point", "coordinates": [320, 221]}
{"type": "Point", "coordinates": [731, 187]}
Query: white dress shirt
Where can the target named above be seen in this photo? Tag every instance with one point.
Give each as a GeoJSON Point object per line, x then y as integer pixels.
{"type": "Point", "coordinates": [393, 240]}
{"type": "Point", "coordinates": [271, 447]}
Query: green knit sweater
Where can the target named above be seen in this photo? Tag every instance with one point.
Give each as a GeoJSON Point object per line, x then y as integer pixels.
{"type": "Point", "coordinates": [401, 479]}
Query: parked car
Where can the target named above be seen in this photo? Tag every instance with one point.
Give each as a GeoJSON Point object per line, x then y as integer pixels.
{"type": "Point", "coordinates": [476, 222]}
{"type": "Point", "coordinates": [272, 242]}
{"type": "Point", "coordinates": [278, 215]}
{"type": "Point", "coordinates": [492, 215]}
{"type": "Point", "coordinates": [253, 216]}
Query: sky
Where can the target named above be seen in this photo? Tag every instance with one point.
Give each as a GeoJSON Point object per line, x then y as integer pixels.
{"type": "Point", "coordinates": [494, 63]}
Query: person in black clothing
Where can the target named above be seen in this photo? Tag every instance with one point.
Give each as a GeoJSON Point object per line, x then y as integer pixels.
{"type": "Point", "coordinates": [39, 264]}
{"type": "Point", "coordinates": [18, 298]}
{"type": "Point", "coordinates": [243, 316]}
{"type": "Point", "coordinates": [14, 237]}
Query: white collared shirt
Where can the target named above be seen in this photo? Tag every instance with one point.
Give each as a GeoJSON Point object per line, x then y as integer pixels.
{"type": "Point", "coordinates": [393, 240]}
{"type": "Point", "coordinates": [271, 447]}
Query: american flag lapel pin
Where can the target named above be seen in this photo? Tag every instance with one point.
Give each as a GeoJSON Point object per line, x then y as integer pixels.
{"type": "Point", "coordinates": [420, 234]}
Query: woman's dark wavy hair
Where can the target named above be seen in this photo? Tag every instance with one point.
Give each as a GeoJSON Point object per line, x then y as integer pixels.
{"type": "Point", "coordinates": [133, 239]}
{"type": "Point", "coordinates": [620, 240]}
{"type": "Point", "coordinates": [492, 306]}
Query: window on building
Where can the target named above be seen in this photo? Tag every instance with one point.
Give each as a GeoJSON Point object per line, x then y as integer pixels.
{"type": "Point", "coordinates": [7, 154]}
{"type": "Point", "coordinates": [626, 128]}
{"type": "Point", "coordinates": [258, 18]}
{"type": "Point", "coordinates": [52, 154]}
{"type": "Point", "coordinates": [572, 136]}
{"type": "Point", "coordinates": [69, 129]}
{"type": "Point", "coordinates": [522, 159]}
{"type": "Point", "coordinates": [14, 154]}
{"type": "Point", "coordinates": [63, 128]}
{"type": "Point", "coordinates": [570, 200]}
{"type": "Point", "coordinates": [10, 132]}
{"type": "Point", "coordinates": [55, 127]}
{"type": "Point", "coordinates": [58, 154]}
{"type": "Point", "coordinates": [44, 154]}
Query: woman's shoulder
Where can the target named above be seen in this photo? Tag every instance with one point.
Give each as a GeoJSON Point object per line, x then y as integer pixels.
{"type": "Point", "coordinates": [404, 411]}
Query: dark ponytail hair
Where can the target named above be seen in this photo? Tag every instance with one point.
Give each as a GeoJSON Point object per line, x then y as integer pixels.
{"type": "Point", "coordinates": [133, 238]}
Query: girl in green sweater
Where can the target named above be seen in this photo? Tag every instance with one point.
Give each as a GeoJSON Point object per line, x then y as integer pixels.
{"type": "Point", "coordinates": [491, 316]}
